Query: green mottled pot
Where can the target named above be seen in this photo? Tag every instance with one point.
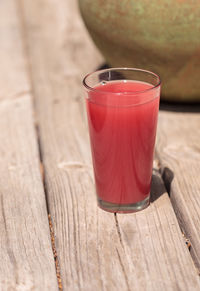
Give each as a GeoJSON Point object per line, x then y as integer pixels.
{"type": "Point", "coordinates": [161, 35]}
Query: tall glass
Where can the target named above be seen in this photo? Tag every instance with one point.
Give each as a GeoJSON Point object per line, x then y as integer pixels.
{"type": "Point", "coordinates": [122, 109]}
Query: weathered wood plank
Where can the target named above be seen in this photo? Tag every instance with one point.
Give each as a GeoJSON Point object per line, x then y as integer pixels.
{"type": "Point", "coordinates": [26, 256]}
{"type": "Point", "coordinates": [178, 148]}
{"type": "Point", "coordinates": [97, 251]}
{"type": "Point", "coordinates": [153, 243]}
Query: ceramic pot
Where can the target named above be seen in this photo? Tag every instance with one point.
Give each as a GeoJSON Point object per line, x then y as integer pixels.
{"type": "Point", "coordinates": [162, 36]}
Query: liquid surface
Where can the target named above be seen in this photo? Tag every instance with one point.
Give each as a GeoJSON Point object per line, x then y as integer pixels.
{"type": "Point", "coordinates": [122, 134]}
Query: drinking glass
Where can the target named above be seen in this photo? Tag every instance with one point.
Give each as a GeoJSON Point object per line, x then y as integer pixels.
{"type": "Point", "coordinates": [122, 110]}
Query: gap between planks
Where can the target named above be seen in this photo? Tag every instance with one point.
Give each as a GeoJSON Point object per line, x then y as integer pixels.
{"type": "Point", "coordinates": [26, 255]}
{"type": "Point", "coordinates": [178, 149]}
{"type": "Point", "coordinates": [52, 236]}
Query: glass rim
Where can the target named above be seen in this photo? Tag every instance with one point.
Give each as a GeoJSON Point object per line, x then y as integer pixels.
{"type": "Point", "coordinates": [122, 69]}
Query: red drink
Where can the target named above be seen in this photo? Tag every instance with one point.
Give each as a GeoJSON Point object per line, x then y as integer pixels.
{"type": "Point", "coordinates": [122, 117]}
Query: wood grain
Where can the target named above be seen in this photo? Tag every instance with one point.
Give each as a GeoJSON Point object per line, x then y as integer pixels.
{"type": "Point", "coordinates": [153, 246]}
{"type": "Point", "coordinates": [97, 250]}
{"type": "Point", "coordinates": [178, 148]}
{"type": "Point", "coordinates": [26, 256]}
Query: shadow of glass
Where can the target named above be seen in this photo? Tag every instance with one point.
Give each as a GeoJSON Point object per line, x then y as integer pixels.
{"type": "Point", "coordinates": [157, 187]}
{"type": "Point", "coordinates": [167, 176]}
{"type": "Point", "coordinates": [161, 184]}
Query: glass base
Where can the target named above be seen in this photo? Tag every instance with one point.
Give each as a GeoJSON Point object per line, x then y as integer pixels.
{"type": "Point", "coordinates": [123, 208]}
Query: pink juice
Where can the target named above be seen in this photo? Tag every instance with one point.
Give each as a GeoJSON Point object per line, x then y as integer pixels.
{"type": "Point", "coordinates": [122, 130]}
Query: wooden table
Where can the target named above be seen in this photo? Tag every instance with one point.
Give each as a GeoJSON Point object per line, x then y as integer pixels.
{"type": "Point", "coordinates": [45, 170]}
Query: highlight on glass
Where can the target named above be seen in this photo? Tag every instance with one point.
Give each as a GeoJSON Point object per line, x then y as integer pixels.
{"type": "Point", "coordinates": [122, 110]}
